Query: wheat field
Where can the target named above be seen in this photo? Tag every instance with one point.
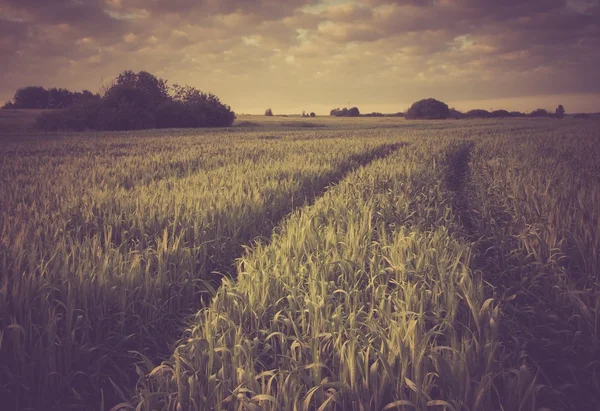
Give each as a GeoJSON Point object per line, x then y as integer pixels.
{"type": "Point", "coordinates": [292, 264]}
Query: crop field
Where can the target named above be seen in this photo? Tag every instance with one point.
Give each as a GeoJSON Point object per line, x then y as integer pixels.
{"type": "Point", "coordinates": [303, 264]}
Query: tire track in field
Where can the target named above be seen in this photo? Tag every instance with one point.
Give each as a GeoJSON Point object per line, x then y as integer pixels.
{"type": "Point", "coordinates": [307, 195]}
{"type": "Point", "coordinates": [489, 259]}
{"type": "Point", "coordinates": [457, 178]}
{"type": "Point", "coordinates": [532, 330]}
{"type": "Point", "coordinates": [156, 344]}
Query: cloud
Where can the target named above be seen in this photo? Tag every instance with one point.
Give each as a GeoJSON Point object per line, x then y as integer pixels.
{"type": "Point", "coordinates": [266, 52]}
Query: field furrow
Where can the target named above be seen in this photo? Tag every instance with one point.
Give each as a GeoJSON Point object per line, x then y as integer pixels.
{"type": "Point", "coordinates": [538, 215]}
{"type": "Point", "coordinates": [321, 265]}
{"type": "Point", "coordinates": [363, 300]}
{"type": "Point", "coordinates": [119, 271]}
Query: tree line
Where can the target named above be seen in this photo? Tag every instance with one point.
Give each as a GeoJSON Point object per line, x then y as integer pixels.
{"type": "Point", "coordinates": [133, 101]}
{"type": "Point", "coordinates": [37, 97]}
{"type": "Point", "coordinates": [269, 113]}
{"type": "Point", "coordinates": [432, 109]}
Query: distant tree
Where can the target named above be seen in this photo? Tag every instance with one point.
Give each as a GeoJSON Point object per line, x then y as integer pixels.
{"type": "Point", "coordinates": [304, 114]}
{"type": "Point", "coordinates": [500, 114]}
{"type": "Point", "coordinates": [313, 115]}
{"type": "Point", "coordinates": [353, 112]}
{"type": "Point", "coordinates": [31, 97]}
{"type": "Point", "coordinates": [455, 114]}
{"type": "Point", "coordinates": [8, 105]}
{"type": "Point", "coordinates": [85, 96]}
{"type": "Point", "coordinates": [516, 114]}
{"type": "Point", "coordinates": [205, 110]}
{"type": "Point", "coordinates": [154, 87]}
{"type": "Point", "coordinates": [36, 97]}
{"type": "Point", "coordinates": [59, 98]}
{"type": "Point", "coordinates": [478, 113]}
{"type": "Point", "coordinates": [540, 112]}
{"type": "Point", "coordinates": [560, 111]}
{"type": "Point", "coordinates": [345, 112]}
{"type": "Point", "coordinates": [269, 112]}
{"type": "Point", "coordinates": [428, 109]}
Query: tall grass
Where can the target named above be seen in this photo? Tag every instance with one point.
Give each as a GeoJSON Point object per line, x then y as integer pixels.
{"type": "Point", "coordinates": [539, 216]}
{"type": "Point", "coordinates": [99, 263]}
{"type": "Point", "coordinates": [364, 266]}
{"type": "Point", "coordinates": [364, 301]}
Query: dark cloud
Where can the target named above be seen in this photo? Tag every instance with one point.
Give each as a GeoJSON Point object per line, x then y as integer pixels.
{"type": "Point", "coordinates": [88, 15]}
{"type": "Point", "coordinates": [472, 48]}
{"type": "Point", "coordinates": [267, 9]}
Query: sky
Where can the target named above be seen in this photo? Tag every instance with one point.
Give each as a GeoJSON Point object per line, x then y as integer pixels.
{"type": "Point", "coordinates": [315, 55]}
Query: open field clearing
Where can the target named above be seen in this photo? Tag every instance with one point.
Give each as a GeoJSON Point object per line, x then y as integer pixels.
{"type": "Point", "coordinates": [311, 264]}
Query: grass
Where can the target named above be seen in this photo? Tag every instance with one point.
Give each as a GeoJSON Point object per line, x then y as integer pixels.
{"type": "Point", "coordinates": [361, 264]}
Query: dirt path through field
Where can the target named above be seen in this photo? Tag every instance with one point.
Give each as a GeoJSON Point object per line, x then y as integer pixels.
{"type": "Point", "coordinates": [457, 178]}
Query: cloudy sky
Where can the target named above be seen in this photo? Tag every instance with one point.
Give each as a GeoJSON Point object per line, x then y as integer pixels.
{"type": "Point", "coordinates": [314, 55]}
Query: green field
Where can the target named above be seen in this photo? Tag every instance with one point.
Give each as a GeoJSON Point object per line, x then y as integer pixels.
{"type": "Point", "coordinates": [302, 264]}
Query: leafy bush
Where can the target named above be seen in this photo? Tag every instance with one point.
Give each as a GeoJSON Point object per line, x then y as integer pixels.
{"type": "Point", "coordinates": [269, 112]}
{"type": "Point", "coordinates": [313, 115]}
{"type": "Point", "coordinates": [428, 109]}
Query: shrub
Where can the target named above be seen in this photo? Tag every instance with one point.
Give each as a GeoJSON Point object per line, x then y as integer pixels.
{"type": "Point", "coordinates": [269, 112]}
{"type": "Point", "coordinates": [313, 115]}
{"type": "Point", "coordinates": [428, 109]}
